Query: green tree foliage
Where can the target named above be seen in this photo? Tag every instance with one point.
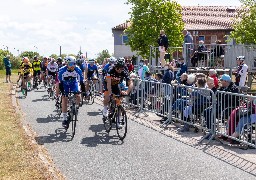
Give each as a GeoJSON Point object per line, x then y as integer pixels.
{"type": "Point", "coordinates": [29, 54]}
{"type": "Point", "coordinates": [245, 27]}
{"type": "Point", "coordinates": [55, 56]}
{"type": "Point", "coordinates": [148, 17]}
{"type": "Point", "coordinates": [15, 61]}
{"type": "Point", "coordinates": [102, 55]}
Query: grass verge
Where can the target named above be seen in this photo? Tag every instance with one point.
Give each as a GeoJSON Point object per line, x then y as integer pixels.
{"type": "Point", "coordinates": [18, 158]}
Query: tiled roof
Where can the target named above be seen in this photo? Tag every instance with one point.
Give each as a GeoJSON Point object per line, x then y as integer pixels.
{"type": "Point", "coordinates": [202, 18]}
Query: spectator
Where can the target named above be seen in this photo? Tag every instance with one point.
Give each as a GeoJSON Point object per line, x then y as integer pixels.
{"type": "Point", "coordinates": [223, 100]}
{"type": "Point", "coordinates": [211, 84]}
{"type": "Point", "coordinates": [218, 54]}
{"type": "Point", "coordinates": [142, 69]}
{"type": "Point", "coordinates": [173, 63]}
{"type": "Point", "coordinates": [8, 65]}
{"type": "Point", "coordinates": [168, 76]}
{"type": "Point", "coordinates": [129, 65]}
{"type": "Point", "coordinates": [249, 118]}
{"type": "Point", "coordinates": [182, 69]}
{"type": "Point", "coordinates": [198, 100]}
{"type": "Point", "coordinates": [213, 74]}
{"type": "Point", "coordinates": [242, 71]}
{"type": "Point", "coordinates": [188, 46]}
{"type": "Point", "coordinates": [163, 45]}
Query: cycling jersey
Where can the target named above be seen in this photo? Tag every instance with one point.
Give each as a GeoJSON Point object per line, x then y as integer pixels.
{"type": "Point", "coordinates": [241, 75]}
{"type": "Point", "coordinates": [26, 69]}
{"type": "Point", "coordinates": [36, 65]}
{"type": "Point", "coordinates": [44, 64]}
{"type": "Point", "coordinates": [69, 79]}
{"type": "Point", "coordinates": [116, 79]}
{"type": "Point", "coordinates": [91, 71]}
{"type": "Point", "coordinates": [52, 67]}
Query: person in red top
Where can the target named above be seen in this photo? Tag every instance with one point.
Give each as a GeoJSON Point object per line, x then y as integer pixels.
{"type": "Point", "coordinates": [129, 65]}
{"type": "Point", "coordinates": [213, 74]}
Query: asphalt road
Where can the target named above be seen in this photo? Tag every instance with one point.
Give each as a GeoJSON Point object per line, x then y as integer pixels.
{"type": "Point", "coordinates": [94, 154]}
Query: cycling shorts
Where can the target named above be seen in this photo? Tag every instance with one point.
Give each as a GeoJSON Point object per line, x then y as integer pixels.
{"type": "Point", "coordinates": [36, 73]}
{"type": "Point", "coordinates": [71, 88]}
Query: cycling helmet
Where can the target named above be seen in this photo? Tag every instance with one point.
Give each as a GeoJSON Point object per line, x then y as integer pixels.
{"type": "Point", "coordinates": [59, 59]}
{"type": "Point", "coordinates": [35, 57]}
{"type": "Point", "coordinates": [112, 59]}
{"type": "Point", "coordinates": [91, 61]}
{"type": "Point", "coordinates": [70, 59]}
{"type": "Point", "coordinates": [45, 58]}
{"type": "Point", "coordinates": [82, 57]}
{"type": "Point", "coordinates": [240, 58]}
{"type": "Point", "coordinates": [121, 59]}
{"type": "Point", "coordinates": [25, 60]}
{"type": "Point", "coordinates": [119, 63]}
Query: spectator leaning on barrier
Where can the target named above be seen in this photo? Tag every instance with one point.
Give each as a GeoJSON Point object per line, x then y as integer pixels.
{"type": "Point", "coordinates": [142, 69]}
{"type": "Point", "coordinates": [163, 45]}
{"type": "Point", "coordinates": [8, 65]}
{"type": "Point", "coordinates": [223, 100]}
{"type": "Point", "coordinates": [168, 75]}
{"type": "Point", "coordinates": [248, 119]}
{"type": "Point", "coordinates": [242, 71]}
{"type": "Point", "coordinates": [129, 65]}
{"type": "Point", "coordinates": [182, 69]}
{"type": "Point", "coordinates": [213, 74]}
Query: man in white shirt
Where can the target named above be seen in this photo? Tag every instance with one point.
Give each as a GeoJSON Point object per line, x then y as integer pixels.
{"type": "Point", "coordinates": [242, 71]}
{"type": "Point", "coordinates": [52, 69]}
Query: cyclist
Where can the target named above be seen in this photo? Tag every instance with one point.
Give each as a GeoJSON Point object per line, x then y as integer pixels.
{"type": "Point", "coordinates": [91, 73]}
{"type": "Point", "coordinates": [69, 77]}
{"type": "Point", "coordinates": [36, 69]}
{"type": "Point", "coordinates": [114, 77]}
{"type": "Point", "coordinates": [19, 71]}
{"type": "Point", "coordinates": [242, 71]}
{"type": "Point", "coordinates": [59, 62]}
{"type": "Point", "coordinates": [26, 71]}
{"type": "Point", "coordinates": [44, 64]}
{"type": "Point", "coordinates": [80, 64]}
{"type": "Point", "coordinates": [51, 71]}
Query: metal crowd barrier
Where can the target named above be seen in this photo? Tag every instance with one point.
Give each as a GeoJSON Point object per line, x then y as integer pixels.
{"type": "Point", "coordinates": [236, 117]}
{"type": "Point", "coordinates": [198, 107]}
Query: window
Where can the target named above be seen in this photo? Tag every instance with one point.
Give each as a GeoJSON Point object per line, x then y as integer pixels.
{"type": "Point", "coordinates": [124, 39]}
{"type": "Point", "coordinates": [201, 38]}
{"type": "Point", "coordinates": [213, 38]}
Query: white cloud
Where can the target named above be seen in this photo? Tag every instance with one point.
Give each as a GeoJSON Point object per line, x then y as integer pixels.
{"type": "Point", "coordinates": [47, 24]}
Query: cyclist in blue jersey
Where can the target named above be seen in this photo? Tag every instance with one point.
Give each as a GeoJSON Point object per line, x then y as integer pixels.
{"type": "Point", "coordinates": [107, 67]}
{"type": "Point", "coordinates": [91, 73]}
{"type": "Point", "coordinates": [70, 76]}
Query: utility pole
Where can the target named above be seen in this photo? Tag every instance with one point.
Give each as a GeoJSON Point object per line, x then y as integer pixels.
{"type": "Point", "coordinates": [60, 51]}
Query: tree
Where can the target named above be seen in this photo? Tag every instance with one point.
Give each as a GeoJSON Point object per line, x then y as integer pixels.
{"type": "Point", "coordinates": [148, 17]}
{"type": "Point", "coordinates": [55, 56]}
{"type": "Point", "coordinates": [102, 55]}
{"type": "Point", "coordinates": [245, 26]}
{"type": "Point", "coordinates": [29, 54]}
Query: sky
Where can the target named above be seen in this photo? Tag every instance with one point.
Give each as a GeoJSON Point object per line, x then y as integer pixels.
{"type": "Point", "coordinates": [45, 25]}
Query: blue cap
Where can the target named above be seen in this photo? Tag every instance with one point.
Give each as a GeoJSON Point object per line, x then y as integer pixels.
{"type": "Point", "coordinates": [225, 77]}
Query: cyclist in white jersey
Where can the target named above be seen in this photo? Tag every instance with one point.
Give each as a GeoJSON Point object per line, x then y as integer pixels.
{"type": "Point", "coordinates": [242, 71]}
{"type": "Point", "coordinates": [52, 69]}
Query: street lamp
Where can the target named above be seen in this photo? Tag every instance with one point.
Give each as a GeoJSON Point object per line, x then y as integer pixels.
{"type": "Point", "coordinates": [60, 50]}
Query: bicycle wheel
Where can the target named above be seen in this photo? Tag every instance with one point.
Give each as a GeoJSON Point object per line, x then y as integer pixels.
{"type": "Point", "coordinates": [92, 93]}
{"type": "Point", "coordinates": [121, 122]}
{"type": "Point", "coordinates": [107, 123]}
{"type": "Point", "coordinates": [73, 121]}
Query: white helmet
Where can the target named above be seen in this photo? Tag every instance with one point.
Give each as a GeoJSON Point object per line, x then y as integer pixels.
{"type": "Point", "coordinates": [70, 59]}
{"type": "Point", "coordinates": [121, 59]}
{"type": "Point", "coordinates": [112, 59]}
{"type": "Point", "coordinates": [82, 57]}
{"type": "Point", "coordinates": [91, 61]}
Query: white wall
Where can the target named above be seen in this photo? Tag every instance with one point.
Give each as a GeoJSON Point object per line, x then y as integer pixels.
{"type": "Point", "coordinates": [123, 50]}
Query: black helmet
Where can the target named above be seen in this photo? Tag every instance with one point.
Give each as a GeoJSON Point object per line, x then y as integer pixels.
{"type": "Point", "coordinates": [35, 57]}
{"type": "Point", "coordinates": [240, 58]}
{"type": "Point", "coordinates": [59, 59]}
{"type": "Point", "coordinates": [120, 63]}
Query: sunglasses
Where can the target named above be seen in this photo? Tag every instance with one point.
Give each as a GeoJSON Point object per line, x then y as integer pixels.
{"type": "Point", "coordinates": [119, 69]}
{"type": "Point", "coordinates": [71, 64]}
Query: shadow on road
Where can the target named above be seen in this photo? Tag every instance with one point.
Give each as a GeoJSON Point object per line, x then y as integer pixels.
{"type": "Point", "coordinates": [44, 98]}
{"type": "Point", "coordinates": [94, 113]}
{"type": "Point", "coordinates": [49, 118]}
{"type": "Point", "coordinates": [60, 136]}
{"type": "Point", "coordinates": [100, 137]}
